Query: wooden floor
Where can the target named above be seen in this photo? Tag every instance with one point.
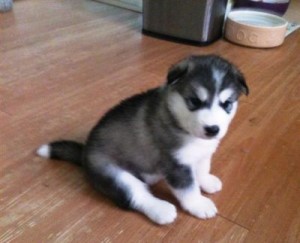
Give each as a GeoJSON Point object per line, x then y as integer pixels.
{"type": "Point", "coordinates": [64, 63]}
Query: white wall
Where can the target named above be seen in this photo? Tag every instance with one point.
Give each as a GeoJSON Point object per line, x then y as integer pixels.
{"type": "Point", "coordinates": [135, 5]}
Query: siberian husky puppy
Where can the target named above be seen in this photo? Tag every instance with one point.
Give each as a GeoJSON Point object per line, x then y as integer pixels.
{"type": "Point", "coordinates": [168, 133]}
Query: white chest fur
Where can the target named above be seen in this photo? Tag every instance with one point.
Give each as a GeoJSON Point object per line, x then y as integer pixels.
{"type": "Point", "coordinates": [196, 150]}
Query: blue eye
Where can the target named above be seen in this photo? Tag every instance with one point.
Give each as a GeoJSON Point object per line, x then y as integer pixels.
{"type": "Point", "coordinates": [194, 103]}
{"type": "Point", "coordinates": [227, 105]}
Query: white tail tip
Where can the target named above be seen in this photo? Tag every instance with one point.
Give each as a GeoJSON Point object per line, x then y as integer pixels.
{"type": "Point", "coordinates": [44, 151]}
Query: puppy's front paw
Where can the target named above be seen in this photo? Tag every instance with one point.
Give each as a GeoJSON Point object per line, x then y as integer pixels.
{"type": "Point", "coordinates": [202, 208]}
{"type": "Point", "coordinates": [163, 212]}
{"type": "Point", "coordinates": [210, 183]}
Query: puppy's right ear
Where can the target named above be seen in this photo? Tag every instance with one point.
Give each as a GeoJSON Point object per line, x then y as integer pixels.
{"type": "Point", "coordinates": [177, 71]}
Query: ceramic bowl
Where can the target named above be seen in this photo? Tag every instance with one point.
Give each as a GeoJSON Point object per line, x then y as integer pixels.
{"type": "Point", "coordinates": [255, 29]}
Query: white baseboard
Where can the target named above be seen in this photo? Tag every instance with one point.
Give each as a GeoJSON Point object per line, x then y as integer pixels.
{"type": "Point", "coordinates": [131, 5]}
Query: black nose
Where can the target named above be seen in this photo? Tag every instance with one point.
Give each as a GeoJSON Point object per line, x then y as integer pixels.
{"type": "Point", "coordinates": [211, 131]}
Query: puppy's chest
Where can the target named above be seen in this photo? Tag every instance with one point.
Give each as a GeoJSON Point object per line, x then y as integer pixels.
{"type": "Point", "coordinates": [196, 150]}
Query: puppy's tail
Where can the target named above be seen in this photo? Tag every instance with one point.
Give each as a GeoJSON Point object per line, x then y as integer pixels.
{"type": "Point", "coordinates": [62, 150]}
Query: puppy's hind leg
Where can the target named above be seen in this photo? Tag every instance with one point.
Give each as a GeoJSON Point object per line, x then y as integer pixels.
{"type": "Point", "coordinates": [159, 211]}
{"type": "Point", "coordinates": [129, 192]}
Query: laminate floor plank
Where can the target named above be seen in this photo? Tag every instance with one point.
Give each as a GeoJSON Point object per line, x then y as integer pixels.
{"type": "Point", "coordinates": [63, 64]}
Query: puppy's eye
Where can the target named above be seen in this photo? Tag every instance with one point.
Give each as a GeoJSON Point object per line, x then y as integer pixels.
{"type": "Point", "coordinates": [194, 103]}
{"type": "Point", "coordinates": [227, 105]}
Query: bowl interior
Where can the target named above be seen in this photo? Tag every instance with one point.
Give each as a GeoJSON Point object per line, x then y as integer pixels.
{"type": "Point", "coordinates": [257, 19]}
{"type": "Point", "coordinates": [277, 7]}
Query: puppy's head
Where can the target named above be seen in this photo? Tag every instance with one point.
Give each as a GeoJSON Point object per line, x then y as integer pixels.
{"type": "Point", "coordinates": [203, 93]}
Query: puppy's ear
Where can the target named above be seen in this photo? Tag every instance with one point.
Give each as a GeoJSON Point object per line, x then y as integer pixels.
{"type": "Point", "coordinates": [177, 71]}
{"type": "Point", "coordinates": [244, 86]}
{"type": "Point", "coordinates": [241, 81]}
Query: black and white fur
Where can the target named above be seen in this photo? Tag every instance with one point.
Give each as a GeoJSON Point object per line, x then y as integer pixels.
{"type": "Point", "coordinates": [168, 133]}
{"type": "Point", "coordinates": [6, 5]}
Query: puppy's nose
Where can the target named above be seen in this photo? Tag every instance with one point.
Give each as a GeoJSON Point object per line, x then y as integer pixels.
{"type": "Point", "coordinates": [211, 131]}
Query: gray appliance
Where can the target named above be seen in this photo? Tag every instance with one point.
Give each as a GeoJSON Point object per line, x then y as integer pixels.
{"type": "Point", "coordinates": [197, 21]}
